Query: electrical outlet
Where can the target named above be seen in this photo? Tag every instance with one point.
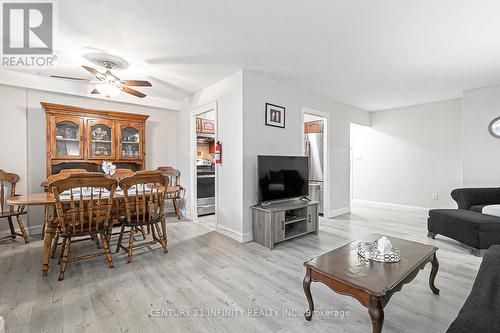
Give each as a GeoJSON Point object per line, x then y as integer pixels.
{"type": "Point", "coordinates": [435, 196]}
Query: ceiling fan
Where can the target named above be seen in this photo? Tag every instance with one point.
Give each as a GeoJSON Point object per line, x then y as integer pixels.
{"type": "Point", "coordinates": [108, 84]}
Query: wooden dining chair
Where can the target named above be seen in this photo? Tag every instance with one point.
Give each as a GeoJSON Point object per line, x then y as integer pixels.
{"type": "Point", "coordinates": [174, 187]}
{"type": "Point", "coordinates": [62, 174]}
{"type": "Point", "coordinates": [122, 173]}
{"type": "Point", "coordinates": [144, 197]}
{"type": "Point", "coordinates": [8, 183]}
{"type": "Point", "coordinates": [83, 203]}
{"type": "Point", "coordinates": [118, 208]}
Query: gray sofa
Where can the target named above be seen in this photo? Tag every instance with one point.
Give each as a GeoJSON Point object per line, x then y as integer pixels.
{"type": "Point", "coordinates": [467, 224]}
{"type": "Point", "coordinates": [480, 311]}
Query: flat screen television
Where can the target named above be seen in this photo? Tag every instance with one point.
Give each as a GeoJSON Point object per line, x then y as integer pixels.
{"type": "Point", "coordinates": [282, 177]}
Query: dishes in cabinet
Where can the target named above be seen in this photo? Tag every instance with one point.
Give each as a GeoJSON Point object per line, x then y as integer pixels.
{"type": "Point", "coordinates": [99, 134]}
{"type": "Point", "coordinates": [101, 151]}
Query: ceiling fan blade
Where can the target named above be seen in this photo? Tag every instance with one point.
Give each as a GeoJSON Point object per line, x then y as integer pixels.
{"type": "Point", "coordinates": [95, 91]}
{"type": "Point", "coordinates": [68, 78]}
{"type": "Point", "coordinates": [133, 92]}
{"type": "Point", "coordinates": [91, 70]}
{"type": "Point", "coordinates": [137, 83]}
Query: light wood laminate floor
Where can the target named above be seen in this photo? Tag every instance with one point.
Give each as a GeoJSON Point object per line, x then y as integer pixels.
{"type": "Point", "coordinates": [206, 271]}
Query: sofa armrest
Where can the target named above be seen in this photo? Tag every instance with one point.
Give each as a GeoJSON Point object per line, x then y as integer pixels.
{"type": "Point", "coordinates": [467, 197]}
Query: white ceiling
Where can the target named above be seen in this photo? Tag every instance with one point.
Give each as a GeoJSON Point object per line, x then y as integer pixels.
{"type": "Point", "coordinates": [370, 54]}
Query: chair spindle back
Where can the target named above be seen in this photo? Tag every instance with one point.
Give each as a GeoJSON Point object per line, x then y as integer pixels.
{"type": "Point", "coordinates": [8, 183]}
{"type": "Point", "coordinates": [144, 194]}
{"type": "Point", "coordinates": [83, 202]}
{"type": "Point", "coordinates": [173, 175]}
{"type": "Point", "coordinates": [62, 174]}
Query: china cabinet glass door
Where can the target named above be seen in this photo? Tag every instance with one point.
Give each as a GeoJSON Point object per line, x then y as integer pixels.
{"type": "Point", "coordinates": [130, 141]}
{"type": "Point", "coordinates": [101, 139]}
{"type": "Point", "coordinates": [67, 138]}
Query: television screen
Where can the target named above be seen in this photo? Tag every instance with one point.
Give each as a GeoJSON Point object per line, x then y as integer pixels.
{"type": "Point", "coordinates": [282, 177]}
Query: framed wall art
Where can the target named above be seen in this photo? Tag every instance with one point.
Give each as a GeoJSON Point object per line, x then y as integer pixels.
{"type": "Point", "coordinates": [275, 115]}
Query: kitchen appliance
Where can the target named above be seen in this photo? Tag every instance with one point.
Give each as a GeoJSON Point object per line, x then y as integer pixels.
{"type": "Point", "coordinates": [205, 178]}
{"type": "Point", "coordinates": [315, 192]}
{"type": "Point", "coordinates": [282, 177]}
{"type": "Point", "coordinates": [314, 150]}
{"type": "Point", "coordinates": [205, 186]}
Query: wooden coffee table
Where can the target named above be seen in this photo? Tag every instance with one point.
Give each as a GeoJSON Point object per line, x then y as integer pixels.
{"type": "Point", "coordinates": [371, 283]}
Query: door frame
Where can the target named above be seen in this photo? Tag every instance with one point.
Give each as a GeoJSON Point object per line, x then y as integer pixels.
{"type": "Point", "coordinates": [326, 155]}
{"type": "Point", "coordinates": [193, 198]}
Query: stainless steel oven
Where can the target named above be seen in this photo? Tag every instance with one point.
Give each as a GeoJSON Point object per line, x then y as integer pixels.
{"type": "Point", "coordinates": [205, 190]}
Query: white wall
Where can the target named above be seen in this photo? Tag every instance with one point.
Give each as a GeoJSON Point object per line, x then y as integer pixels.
{"type": "Point", "coordinates": [241, 102]}
{"type": "Point", "coordinates": [13, 151]}
{"type": "Point", "coordinates": [228, 95]}
{"type": "Point", "coordinates": [260, 139]}
{"type": "Point", "coordinates": [481, 151]}
{"type": "Point", "coordinates": [22, 127]}
{"type": "Point", "coordinates": [409, 153]}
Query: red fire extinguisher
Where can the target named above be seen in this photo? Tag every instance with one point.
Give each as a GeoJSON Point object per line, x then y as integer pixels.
{"type": "Point", "coordinates": [218, 153]}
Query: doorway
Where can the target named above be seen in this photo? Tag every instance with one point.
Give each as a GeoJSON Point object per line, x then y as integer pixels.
{"type": "Point", "coordinates": [204, 175]}
{"type": "Point", "coordinates": [315, 140]}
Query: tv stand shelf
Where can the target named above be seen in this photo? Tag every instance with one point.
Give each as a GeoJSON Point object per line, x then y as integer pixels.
{"type": "Point", "coordinates": [295, 220]}
{"type": "Point", "coordinates": [281, 221]}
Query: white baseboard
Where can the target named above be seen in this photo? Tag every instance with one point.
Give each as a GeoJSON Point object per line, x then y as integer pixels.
{"type": "Point", "coordinates": [238, 236]}
{"type": "Point", "coordinates": [338, 212]}
{"type": "Point", "coordinates": [387, 205]}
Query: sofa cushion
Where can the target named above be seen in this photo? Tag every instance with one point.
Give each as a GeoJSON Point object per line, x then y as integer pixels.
{"type": "Point", "coordinates": [477, 208]}
{"type": "Point", "coordinates": [480, 311]}
{"type": "Point", "coordinates": [491, 210]}
{"type": "Point", "coordinates": [471, 228]}
{"type": "Point", "coordinates": [474, 220]}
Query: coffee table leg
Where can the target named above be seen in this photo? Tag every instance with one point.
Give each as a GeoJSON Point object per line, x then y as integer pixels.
{"type": "Point", "coordinates": [307, 290]}
{"type": "Point", "coordinates": [47, 240]}
{"type": "Point", "coordinates": [376, 311]}
{"type": "Point", "coordinates": [432, 277]}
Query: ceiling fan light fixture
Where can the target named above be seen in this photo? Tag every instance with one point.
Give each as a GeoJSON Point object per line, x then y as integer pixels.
{"type": "Point", "coordinates": [108, 90]}
{"type": "Point", "coordinates": [110, 85]}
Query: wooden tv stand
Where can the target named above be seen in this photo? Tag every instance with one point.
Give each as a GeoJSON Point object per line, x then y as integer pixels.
{"type": "Point", "coordinates": [285, 220]}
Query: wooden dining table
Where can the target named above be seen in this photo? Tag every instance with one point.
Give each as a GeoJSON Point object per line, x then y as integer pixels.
{"type": "Point", "coordinates": [47, 199]}
{"type": "Point", "coordinates": [41, 199]}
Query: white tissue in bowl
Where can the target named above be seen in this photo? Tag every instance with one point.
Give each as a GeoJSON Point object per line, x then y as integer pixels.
{"type": "Point", "coordinates": [384, 245]}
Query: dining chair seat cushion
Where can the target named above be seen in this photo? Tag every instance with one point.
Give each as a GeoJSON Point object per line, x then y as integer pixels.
{"type": "Point", "coordinates": [9, 214]}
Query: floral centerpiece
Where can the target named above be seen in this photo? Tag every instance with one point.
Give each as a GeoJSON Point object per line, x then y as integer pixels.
{"type": "Point", "coordinates": [108, 168]}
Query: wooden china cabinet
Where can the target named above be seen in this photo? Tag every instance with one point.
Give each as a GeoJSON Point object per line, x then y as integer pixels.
{"type": "Point", "coordinates": [83, 138]}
